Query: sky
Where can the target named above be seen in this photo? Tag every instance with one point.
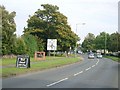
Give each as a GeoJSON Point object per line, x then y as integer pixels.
{"type": "Point", "coordinates": [98, 15]}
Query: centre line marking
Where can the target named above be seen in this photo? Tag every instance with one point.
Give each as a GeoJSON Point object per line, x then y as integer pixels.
{"type": "Point", "coordinates": [88, 68]}
{"type": "Point", "coordinates": [78, 73]}
{"type": "Point", "coordinates": [97, 61]}
{"type": "Point", "coordinates": [74, 75]}
{"type": "Point", "coordinates": [56, 82]}
{"type": "Point", "coordinates": [93, 65]}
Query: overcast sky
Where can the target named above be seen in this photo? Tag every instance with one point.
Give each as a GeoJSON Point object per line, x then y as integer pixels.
{"type": "Point", "coordinates": [99, 15]}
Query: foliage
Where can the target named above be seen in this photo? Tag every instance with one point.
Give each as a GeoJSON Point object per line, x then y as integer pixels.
{"type": "Point", "coordinates": [101, 40]}
{"type": "Point", "coordinates": [8, 30]}
{"type": "Point", "coordinates": [0, 31]}
{"type": "Point", "coordinates": [114, 45]}
{"type": "Point", "coordinates": [20, 46]}
{"type": "Point", "coordinates": [49, 23]}
{"type": "Point", "coordinates": [112, 41]}
{"type": "Point", "coordinates": [31, 44]}
{"type": "Point", "coordinates": [88, 43]}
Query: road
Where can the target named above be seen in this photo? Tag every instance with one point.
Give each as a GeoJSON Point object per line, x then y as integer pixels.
{"type": "Point", "coordinates": [90, 73]}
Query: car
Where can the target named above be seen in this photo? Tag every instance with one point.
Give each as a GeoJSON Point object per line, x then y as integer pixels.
{"type": "Point", "coordinates": [99, 56]}
{"type": "Point", "coordinates": [80, 52]}
{"type": "Point", "coordinates": [91, 56]}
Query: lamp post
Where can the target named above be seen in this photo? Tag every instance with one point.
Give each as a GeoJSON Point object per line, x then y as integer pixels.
{"type": "Point", "coordinates": [76, 33]}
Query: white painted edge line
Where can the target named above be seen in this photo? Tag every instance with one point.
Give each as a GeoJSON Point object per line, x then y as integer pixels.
{"type": "Point", "coordinates": [78, 73]}
{"type": "Point", "coordinates": [88, 68]}
{"type": "Point", "coordinates": [56, 82]}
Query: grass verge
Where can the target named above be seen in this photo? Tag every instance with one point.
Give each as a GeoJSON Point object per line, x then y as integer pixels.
{"type": "Point", "coordinates": [113, 58]}
{"type": "Point", "coordinates": [12, 61]}
{"type": "Point", "coordinates": [51, 62]}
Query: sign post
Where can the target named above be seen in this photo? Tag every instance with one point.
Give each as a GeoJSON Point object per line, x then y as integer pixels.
{"type": "Point", "coordinates": [52, 45]}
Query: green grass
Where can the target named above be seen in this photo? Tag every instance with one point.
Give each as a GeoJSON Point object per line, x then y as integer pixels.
{"type": "Point", "coordinates": [7, 61]}
{"type": "Point", "coordinates": [113, 58]}
{"type": "Point", "coordinates": [50, 62]}
{"type": "Point", "coordinates": [12, 61]}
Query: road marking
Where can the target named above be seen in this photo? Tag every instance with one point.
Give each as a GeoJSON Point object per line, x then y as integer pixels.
{"type": "Point", "coordinates": [93, 65]}
{"type": "Point", "coordinates": [97, 61]}
{"type": "Point", "coordinates": [56, 82]}
{"type": "Point", "coordinates": [78, 73]}
{"type": "Point", "coordinates": [74, 75]}
{"type": "Point", "coordinates": [88, 68]}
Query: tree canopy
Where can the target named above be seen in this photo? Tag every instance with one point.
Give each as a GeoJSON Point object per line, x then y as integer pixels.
{"type": "Point", "coordinates": [114, 45]}
{"type": "Point", "coordinates": [49, 23]}
{"type": "Point", "coordinates": [89, 44]}
{"type": "Point", "coordinates": [8, 30]}
{"type": "Point", "coordinates": [102, 41]}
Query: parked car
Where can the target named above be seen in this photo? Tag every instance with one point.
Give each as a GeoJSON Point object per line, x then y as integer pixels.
{"type": "Point", "coordinates": [91, 56]}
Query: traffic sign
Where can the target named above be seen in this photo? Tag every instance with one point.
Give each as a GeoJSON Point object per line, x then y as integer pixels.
{"type": "Point", "coordinates": [52, 44]}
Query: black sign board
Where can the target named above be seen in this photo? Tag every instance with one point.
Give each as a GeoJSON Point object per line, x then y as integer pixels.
{"type": "Point", "coordinates": [23, 61]}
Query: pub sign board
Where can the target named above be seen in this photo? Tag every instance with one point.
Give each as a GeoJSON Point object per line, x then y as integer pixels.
{"type": "Point", "coordinates": [39, 55]}
{"type": "Point", "coordinates": [23, 61]}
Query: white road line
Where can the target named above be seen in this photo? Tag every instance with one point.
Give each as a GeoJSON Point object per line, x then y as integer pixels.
{"type": "Point", "coordinates": [88, 68]}
{"type": "Point", "coordinates": [93, 65]}
{"type": "Point", "coordinates": [56, 82]}
{"type": "Point", "coordinates": [74, 75]}
{"type": "Point", "coordinates": [97, 61]}
{"type": "Point", "coordinates": [78, 73]}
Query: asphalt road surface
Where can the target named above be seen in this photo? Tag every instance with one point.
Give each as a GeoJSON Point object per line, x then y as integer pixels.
{"type": "Point", "coordinates": [89, 73]}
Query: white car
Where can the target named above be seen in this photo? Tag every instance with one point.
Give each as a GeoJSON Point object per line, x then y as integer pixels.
{"type": "Point", "coordinates": [99, 56]}
{"type": "Point", "coordinates": [91, 56]}
{"type": "Point", "coordinates": [80, 52]}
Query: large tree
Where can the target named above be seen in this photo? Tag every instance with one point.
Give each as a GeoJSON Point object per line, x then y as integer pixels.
{"type": "Point", "coordinates": [0, 31]}
{"type": "Point", "coordinates": [8, 30]}
{"type": "Point", "coordinates": [89, 42]}
{"type": "Point", "coordinates": [114, 44]}
{"type": "Point", "coordinates": [102, 41]}
{"type": "Point", "coordinates": [49, 23]}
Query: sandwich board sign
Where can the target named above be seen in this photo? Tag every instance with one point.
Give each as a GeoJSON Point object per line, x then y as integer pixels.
{"type": "Point", "coordinates": [52, 44]}
{"type": "Point", "coordinates": [23, 61]}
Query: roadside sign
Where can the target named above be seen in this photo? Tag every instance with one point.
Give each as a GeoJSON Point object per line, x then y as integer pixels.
{"type": "Point", "coordinates": [23, 61]}
{"type": "Point", "coordinates": [39, 55]}
{"type": "Point", "coordinates": [52, 44]}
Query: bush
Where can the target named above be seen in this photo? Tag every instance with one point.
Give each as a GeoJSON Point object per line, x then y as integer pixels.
{"type": "Point", "coordinates": [31, 44]}
{"type": "Point", "coordinates": [20, 46]}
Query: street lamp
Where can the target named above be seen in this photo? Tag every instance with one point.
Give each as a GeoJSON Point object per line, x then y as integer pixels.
{"type": "Point", "coordinates": [76, 33]}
